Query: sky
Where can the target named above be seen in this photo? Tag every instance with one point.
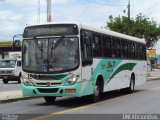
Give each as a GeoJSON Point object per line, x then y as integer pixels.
{"type": "Point", "coordinates": [15, 15]}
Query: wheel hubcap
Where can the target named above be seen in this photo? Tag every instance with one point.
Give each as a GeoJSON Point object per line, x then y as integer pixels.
{"type": "Point", "coordinates": [132, 85]}
{"type": "Point", "coordinates": [96, 91]}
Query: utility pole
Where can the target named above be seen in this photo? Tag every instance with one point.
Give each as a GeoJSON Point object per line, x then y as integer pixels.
{"type": "Point", "coordinates": [38, 11]}
{"type": "Point", "coordinates": [49, 11]}
{"type": "Point", "coordinates": [129, 24]}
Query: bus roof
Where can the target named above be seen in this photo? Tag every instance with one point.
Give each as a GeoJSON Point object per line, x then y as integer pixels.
{"type": "Point", "coordinates": [98, 30]}
{"type": "Point", "coordinates": [112, 33]}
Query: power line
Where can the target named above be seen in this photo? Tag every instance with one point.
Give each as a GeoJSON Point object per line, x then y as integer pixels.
{"type": "Point", "coordinates": [128, 6]}
{"type": "Point", "coordinates": [103, 3]}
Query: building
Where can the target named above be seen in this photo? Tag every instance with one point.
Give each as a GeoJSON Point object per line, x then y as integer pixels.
{"type": "Point", "coordinates": [8, 46]}
{"type": "Point", "coordinates": [158, 59]}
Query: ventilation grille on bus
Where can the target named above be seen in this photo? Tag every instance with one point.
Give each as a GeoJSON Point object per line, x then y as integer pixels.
{"type": "Point", "coordinates": [47, 90]}
{"type": "Point", "coordinates": [45, 84]}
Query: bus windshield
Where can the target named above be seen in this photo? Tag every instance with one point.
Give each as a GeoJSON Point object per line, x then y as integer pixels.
{"type": "Point", "coordinates": [50, 55]}
{"type": "Point", "coordinates": [7, 63]}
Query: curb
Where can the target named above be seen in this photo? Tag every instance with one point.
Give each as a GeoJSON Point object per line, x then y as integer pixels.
{"type": "Point", "coordinates": [17, 99]}
{"type": "Point", "coordinates": [150, 79]}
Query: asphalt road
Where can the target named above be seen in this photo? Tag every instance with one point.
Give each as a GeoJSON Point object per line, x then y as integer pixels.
{"type": "Point", "coordinates": [145, 100]}
{"type": "Point", "coordinates": [12, 85]}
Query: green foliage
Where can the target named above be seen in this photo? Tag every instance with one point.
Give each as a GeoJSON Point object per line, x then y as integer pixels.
{"type": "Point", "coordinates": [141, 27]}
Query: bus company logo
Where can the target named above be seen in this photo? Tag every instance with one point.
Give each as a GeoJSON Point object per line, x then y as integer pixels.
{"type": "Point", "coordinates": [48, 84]}
{"type": "Point", "coordinates": [109, 67]}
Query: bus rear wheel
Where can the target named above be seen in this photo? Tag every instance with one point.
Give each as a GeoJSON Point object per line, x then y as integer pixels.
{"type": "Point", "coordinates": [131, 87]}
{"type": "Point", "coordinates": [50, 99]}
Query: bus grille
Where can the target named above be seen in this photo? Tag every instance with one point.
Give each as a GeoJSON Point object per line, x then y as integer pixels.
{"type": "Point", "coordinates": [47, 90]}
{"type": "Point", "coordinates": [45, 84]}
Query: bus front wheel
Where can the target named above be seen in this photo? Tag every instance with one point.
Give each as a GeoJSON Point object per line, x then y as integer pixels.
{"type": "Point", "coordinates": [50, 99]}
{"type": "Point", "coordinates": [97, 92]}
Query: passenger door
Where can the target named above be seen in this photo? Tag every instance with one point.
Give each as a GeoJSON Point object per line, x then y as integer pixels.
{"type": "Point", "coordinates": [87, 60]}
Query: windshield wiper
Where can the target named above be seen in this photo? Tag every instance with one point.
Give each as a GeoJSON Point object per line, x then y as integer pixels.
{"type": "Point", "coordinates": [58, 42]}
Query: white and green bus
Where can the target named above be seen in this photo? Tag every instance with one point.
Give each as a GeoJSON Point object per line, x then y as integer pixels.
{"type": "Point", "coordinates": [74, 59]}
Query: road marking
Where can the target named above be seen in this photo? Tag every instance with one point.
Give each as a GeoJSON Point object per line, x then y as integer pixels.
{"type": "Point", "coordinates": [90, 105]}
{"type": "Point", "coordinates": [78, 108]}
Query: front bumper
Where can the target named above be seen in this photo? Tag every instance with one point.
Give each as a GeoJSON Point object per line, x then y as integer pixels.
{"type": "Point", "coordinates": [57, 91]}
{"type": "Point", "coordinates": [9, 77]}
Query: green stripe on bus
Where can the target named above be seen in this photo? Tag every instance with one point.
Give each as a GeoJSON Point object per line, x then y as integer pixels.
{"type": "Point", "coordinates": [126, 66]}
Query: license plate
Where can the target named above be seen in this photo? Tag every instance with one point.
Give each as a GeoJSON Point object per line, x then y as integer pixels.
{"type": "Point", "coordinates": [5, 77]}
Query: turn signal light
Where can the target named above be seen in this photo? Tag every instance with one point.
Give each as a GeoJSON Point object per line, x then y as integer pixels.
{"type": "Point", "coordinates": [70, 90]}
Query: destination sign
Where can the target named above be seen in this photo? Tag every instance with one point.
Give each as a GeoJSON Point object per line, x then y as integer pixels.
{"type": "Point", "coordinates": [50, 30]}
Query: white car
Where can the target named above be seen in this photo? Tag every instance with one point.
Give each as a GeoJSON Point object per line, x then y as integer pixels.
{"type": "Point", "coordinates": [10, 70]}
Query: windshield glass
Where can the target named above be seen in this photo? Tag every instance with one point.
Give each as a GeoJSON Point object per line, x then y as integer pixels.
{"type": "Point", "coordinates": [50, 55]}
{"type": "Point", "coordinates": [7, 63]}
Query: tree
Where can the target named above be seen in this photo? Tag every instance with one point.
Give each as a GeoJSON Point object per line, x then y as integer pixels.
{"type": "Point", "coordinates": [141, 27]}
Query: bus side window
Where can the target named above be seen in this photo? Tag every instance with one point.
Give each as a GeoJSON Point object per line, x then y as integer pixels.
{"type": "Point", "coordinates": [143, 53]}
{"type": "Point", "coordinates": [116, 50]}
{"type": "Point", "coordinates": [106, 43]}
{"type": "Point", "coordinates": [124, 49]}
{"type": "Point", "coordinates": [97, 50]}
{"type": "Point", "coordinates": [86, 50]}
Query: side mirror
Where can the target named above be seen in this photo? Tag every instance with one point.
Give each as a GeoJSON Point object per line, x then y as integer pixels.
{"type": "Point", "coordinates": [18, 64]}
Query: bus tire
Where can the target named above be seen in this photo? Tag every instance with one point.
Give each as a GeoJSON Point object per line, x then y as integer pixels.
{"type": "Point", "coordinates": [132, 84]}
{"type": "Point", "coordinates": [97, 92]}
{"type": "Point", "coordinates": [5, 81]}
{"type": "Point", "coordinates": [49, 99]}
{"type": "Point", "coordinates": [131, 87]}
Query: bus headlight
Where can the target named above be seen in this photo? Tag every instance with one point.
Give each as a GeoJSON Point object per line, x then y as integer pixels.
{"type": "Point", "coordinates": [73, 80]}
{"type": "Point", "coordinates": [26, 81]}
